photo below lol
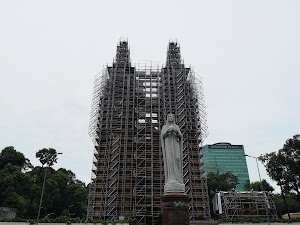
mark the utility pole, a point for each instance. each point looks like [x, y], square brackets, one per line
[43, 189]
[262, 188]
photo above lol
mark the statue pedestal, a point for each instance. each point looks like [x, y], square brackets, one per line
[175, 206]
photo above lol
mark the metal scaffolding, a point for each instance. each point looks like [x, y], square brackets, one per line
[233, 205]
[129, 108]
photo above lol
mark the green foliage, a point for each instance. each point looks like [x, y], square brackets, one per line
[10, 155]
[64, 197]
[14, 187]
[256, 186]
[47, 156]
[284, 166]
[292, 202]
[200, 218]
[247, 220]
[220, 182]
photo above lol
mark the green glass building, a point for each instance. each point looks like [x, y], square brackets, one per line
[224, 157]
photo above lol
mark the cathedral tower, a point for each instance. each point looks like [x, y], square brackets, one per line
[130, 105]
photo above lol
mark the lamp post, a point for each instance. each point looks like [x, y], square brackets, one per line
[42, 194]
[262, 188]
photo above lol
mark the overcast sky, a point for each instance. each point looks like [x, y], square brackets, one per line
[247, 52]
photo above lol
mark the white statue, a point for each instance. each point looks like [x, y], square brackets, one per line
[171, 142]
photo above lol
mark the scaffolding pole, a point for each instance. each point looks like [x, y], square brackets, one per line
[130, 105]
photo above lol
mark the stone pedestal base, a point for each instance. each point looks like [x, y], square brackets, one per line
[175, 208]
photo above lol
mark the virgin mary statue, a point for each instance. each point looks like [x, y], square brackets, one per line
[171, 142]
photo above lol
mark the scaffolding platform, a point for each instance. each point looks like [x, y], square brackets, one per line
[130, 105]
[232, 205]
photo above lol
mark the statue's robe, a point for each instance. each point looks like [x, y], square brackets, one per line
[171, 143]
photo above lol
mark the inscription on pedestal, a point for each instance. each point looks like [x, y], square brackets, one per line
[178, 218]
[175, 209]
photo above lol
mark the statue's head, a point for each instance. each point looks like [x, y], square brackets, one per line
[170, 118]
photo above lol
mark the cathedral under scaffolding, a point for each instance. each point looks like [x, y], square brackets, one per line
[130, 105]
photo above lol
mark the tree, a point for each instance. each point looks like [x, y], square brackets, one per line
[14, 183]
[47, 156]
[284, 166]
[220, 182]
[256, 186]
[11, 155]
[293, 204]
[63, 194]
[22, 189]
[14, 187]
[73, 194]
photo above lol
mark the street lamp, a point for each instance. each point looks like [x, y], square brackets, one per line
[262, 188]
[42, 194]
